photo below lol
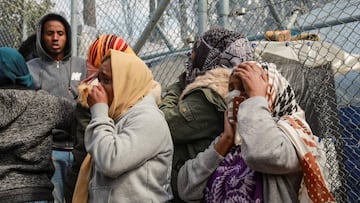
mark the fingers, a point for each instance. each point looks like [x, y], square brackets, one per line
[254, 78]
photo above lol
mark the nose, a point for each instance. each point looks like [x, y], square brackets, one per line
[55, 37]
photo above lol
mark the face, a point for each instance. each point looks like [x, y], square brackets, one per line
[105, 79]
[54, 38]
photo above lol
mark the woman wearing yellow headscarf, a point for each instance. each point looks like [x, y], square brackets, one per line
[127, 137]
[97, 50]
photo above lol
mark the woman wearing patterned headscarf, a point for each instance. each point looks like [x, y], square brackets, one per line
[194, 106]
[276, 142]
[127, 137]
[27, 119]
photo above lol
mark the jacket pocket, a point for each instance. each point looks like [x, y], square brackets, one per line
[185, 111]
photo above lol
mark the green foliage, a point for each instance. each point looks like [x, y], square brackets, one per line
[19, 19]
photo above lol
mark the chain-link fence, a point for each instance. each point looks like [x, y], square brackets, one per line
[319, 53]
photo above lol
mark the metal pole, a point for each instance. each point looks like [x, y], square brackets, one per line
[202, 12]
[224, 13]
[74, 23]
[275, 14]
[151, 25]
[163, 36]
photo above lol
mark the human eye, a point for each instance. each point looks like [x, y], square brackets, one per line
[103, 79]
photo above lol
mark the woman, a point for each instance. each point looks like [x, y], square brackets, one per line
[127, 137]
[97, 50]
[26, 121]
[194, 106]
[269, 165]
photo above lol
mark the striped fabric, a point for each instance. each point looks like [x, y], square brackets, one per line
[101, 46]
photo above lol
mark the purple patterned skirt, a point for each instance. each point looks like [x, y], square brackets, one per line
[233, 181]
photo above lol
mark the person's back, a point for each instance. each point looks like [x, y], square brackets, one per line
[26, 121]
[59, 73]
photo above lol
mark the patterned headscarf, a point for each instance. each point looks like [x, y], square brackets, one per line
[217, 47]
[101, 46]
[290, 117]
[134, 80]
[13, 69]
[97, 50]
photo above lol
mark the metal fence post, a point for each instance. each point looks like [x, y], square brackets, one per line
[74, 23]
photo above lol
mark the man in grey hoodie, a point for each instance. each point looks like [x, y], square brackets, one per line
[59, 73]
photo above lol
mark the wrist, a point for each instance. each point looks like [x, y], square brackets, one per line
[224, 144]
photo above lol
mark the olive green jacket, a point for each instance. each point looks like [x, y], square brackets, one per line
[195, 116]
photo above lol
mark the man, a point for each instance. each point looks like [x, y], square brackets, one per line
[59, 73]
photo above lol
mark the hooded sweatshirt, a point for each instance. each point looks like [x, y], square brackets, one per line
[59, 78]
[26, 120]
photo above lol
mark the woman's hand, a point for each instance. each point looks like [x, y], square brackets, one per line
[97, 95]
[226, 140]
[254, 78]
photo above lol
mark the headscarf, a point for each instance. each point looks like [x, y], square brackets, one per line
[288, 115]
[132, 80]
[217, 47]
[97, 50]
[101, 46]
[13, 68]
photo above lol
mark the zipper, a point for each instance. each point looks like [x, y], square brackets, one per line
[57, 64]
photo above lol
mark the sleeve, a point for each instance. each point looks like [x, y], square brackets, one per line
[193, 175]
[118, 151]
[65, 113]
[265, 147]
[192, 118]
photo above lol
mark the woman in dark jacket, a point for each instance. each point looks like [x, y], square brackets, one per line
[194, 106]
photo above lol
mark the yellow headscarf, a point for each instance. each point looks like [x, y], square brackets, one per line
[132, 80]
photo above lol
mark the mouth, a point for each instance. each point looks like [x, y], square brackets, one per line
[55, 46]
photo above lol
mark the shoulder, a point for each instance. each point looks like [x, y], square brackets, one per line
[34, 63]
[77, 59]
[203, 96]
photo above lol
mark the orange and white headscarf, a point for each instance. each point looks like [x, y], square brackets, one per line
[102, 45]
[134, 81]
[97, 50]
[291, 119]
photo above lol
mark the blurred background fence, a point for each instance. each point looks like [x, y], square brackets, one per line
[319, 56]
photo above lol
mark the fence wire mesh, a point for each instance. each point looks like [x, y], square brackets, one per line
[319, 54]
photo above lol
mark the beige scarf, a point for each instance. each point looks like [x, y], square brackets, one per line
[132, 81]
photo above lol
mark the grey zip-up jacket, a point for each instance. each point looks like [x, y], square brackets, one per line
[59, 78]
[132, 155]
[27, 118]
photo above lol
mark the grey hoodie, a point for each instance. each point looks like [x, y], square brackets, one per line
[26, 120]
[59, 78]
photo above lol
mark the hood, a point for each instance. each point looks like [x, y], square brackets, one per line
[13, 103]
[216, 79]
[39, 45]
